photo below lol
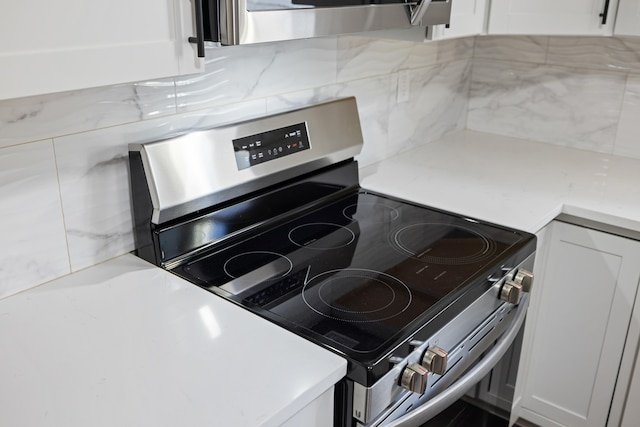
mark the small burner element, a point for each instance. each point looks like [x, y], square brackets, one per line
[371, 212]
[239, 265]
[356, 295]
[321, 235]
[441, 243]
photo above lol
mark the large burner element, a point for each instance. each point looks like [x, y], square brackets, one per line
[441, 243]
[356, 295]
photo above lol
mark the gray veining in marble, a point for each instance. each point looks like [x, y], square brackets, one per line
[455, 49]
[603, 53]
[239, 73]
[361, 57]
[437, 105]
[94, 181]
[512, 48]
[628, 136]
[569, 107]
[34, 246]
[39, 117]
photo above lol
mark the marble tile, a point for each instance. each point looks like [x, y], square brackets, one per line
[455, 49]
[563, 106]
[39, 117]
[602, 53]
[372, 97]
[361, 57]
[628, 136]
[239, 73]
[437, 106]
[94, 181]
[424, 54]
[34, 247]
[301, 99]
[512, 48]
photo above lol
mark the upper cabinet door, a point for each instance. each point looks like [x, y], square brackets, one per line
[53, 46]
[628, 18]
[468, 18]
[552, 17]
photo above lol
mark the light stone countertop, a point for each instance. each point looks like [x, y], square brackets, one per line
[125, 343]
[512, 182]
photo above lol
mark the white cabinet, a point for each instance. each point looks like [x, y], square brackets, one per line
[628, 18]
[631, 414]
[318, 413]
[552, 17]
[580, 322]
[468, 18]
[52, 46]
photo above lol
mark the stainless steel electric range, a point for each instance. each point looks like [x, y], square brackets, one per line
[269, 214]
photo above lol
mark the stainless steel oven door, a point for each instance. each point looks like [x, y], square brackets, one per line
[258, 21]
[419, 413]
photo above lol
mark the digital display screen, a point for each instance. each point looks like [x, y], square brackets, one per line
[262, 147]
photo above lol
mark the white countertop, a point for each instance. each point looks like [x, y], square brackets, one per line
[125, 343]
[512, 182]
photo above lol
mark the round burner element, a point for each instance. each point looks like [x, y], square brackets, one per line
[273, 265]
[356, 295]
[442, 243]
[321, 235]
[371, 212]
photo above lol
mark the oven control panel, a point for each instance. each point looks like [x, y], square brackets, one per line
[265, 146]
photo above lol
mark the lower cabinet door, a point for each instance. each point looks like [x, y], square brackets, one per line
[587, 290]
[631, 414]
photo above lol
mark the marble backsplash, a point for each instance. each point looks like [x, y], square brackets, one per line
[63, 171]
[63, 157]
[581, 92]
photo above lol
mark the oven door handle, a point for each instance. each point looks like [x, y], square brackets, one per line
[440, 402]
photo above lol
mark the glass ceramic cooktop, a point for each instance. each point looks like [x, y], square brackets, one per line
[356, 273]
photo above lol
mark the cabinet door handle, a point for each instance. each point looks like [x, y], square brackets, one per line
[605, 12]
[199, 38]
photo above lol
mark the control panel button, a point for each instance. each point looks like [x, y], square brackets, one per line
[435, 360]
[511, 292]
[525, 279]
[414, 378]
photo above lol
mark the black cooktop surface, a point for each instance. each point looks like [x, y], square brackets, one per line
[358, 274]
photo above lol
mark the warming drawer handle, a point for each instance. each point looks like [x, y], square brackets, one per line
[438, 403]
[199, 38]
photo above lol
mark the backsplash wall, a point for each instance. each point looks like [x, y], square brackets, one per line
[581, 92]
[63, 157]
[63, 173]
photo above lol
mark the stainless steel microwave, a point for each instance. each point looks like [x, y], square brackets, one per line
[236, 22]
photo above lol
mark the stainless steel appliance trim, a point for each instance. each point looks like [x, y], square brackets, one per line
[454, 392]
[370, 402]
[439, 12]
[465, 337]
[199, 170]
[241, 26]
